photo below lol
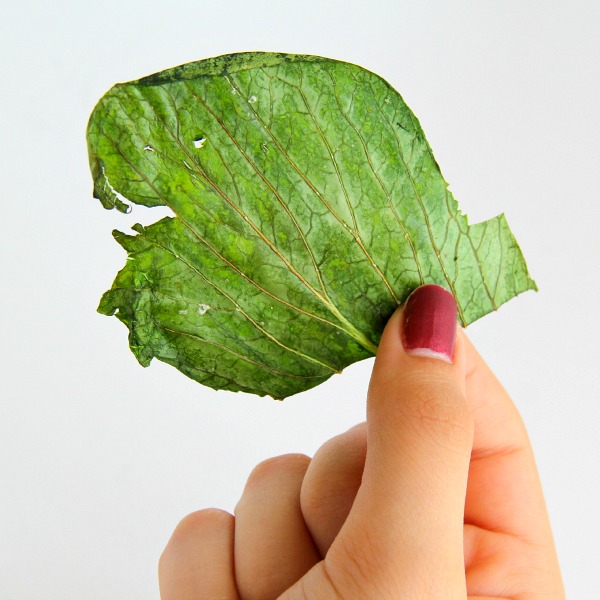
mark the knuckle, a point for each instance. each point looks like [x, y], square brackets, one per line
[277, 466]
[195, 526]
[197, 523]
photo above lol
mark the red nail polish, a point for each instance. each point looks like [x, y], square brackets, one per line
[430, 323]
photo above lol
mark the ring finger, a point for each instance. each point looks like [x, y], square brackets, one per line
[273, 547]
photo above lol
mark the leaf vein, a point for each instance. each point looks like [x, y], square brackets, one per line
[240, 309]
[422, 206]
[475, 252]
[343, 186]
[202, 275]
[243, 357]
[381, 184]
[266, 182]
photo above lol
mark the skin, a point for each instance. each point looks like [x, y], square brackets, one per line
[435, 496]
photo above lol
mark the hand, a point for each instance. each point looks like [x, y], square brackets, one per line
[436, 496]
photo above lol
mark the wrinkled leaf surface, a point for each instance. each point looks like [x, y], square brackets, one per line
[307, 204]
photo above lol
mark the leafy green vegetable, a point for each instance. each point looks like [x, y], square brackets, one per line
[307, 204]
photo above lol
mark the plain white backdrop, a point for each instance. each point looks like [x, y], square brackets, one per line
[100, 458]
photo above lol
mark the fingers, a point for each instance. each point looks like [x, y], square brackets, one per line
[499, 427]
[331, 483]
[408, 513]
[387, 515]
[273, 547]
[197, 563]
[504, 492]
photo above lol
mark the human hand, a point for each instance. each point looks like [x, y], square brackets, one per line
[436, 496]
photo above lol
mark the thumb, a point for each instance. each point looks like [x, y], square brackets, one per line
[406, 525]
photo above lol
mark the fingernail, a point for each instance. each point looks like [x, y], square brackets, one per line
[429, 327]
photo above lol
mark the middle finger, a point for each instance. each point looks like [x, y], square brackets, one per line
[331, 483]
[273, 547]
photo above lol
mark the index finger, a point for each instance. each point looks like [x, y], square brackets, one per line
[504, 491]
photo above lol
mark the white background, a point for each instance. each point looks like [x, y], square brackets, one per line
[100, 458]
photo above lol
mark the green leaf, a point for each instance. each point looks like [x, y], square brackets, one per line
[307, 204]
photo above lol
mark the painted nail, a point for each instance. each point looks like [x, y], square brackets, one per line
[429, 327]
